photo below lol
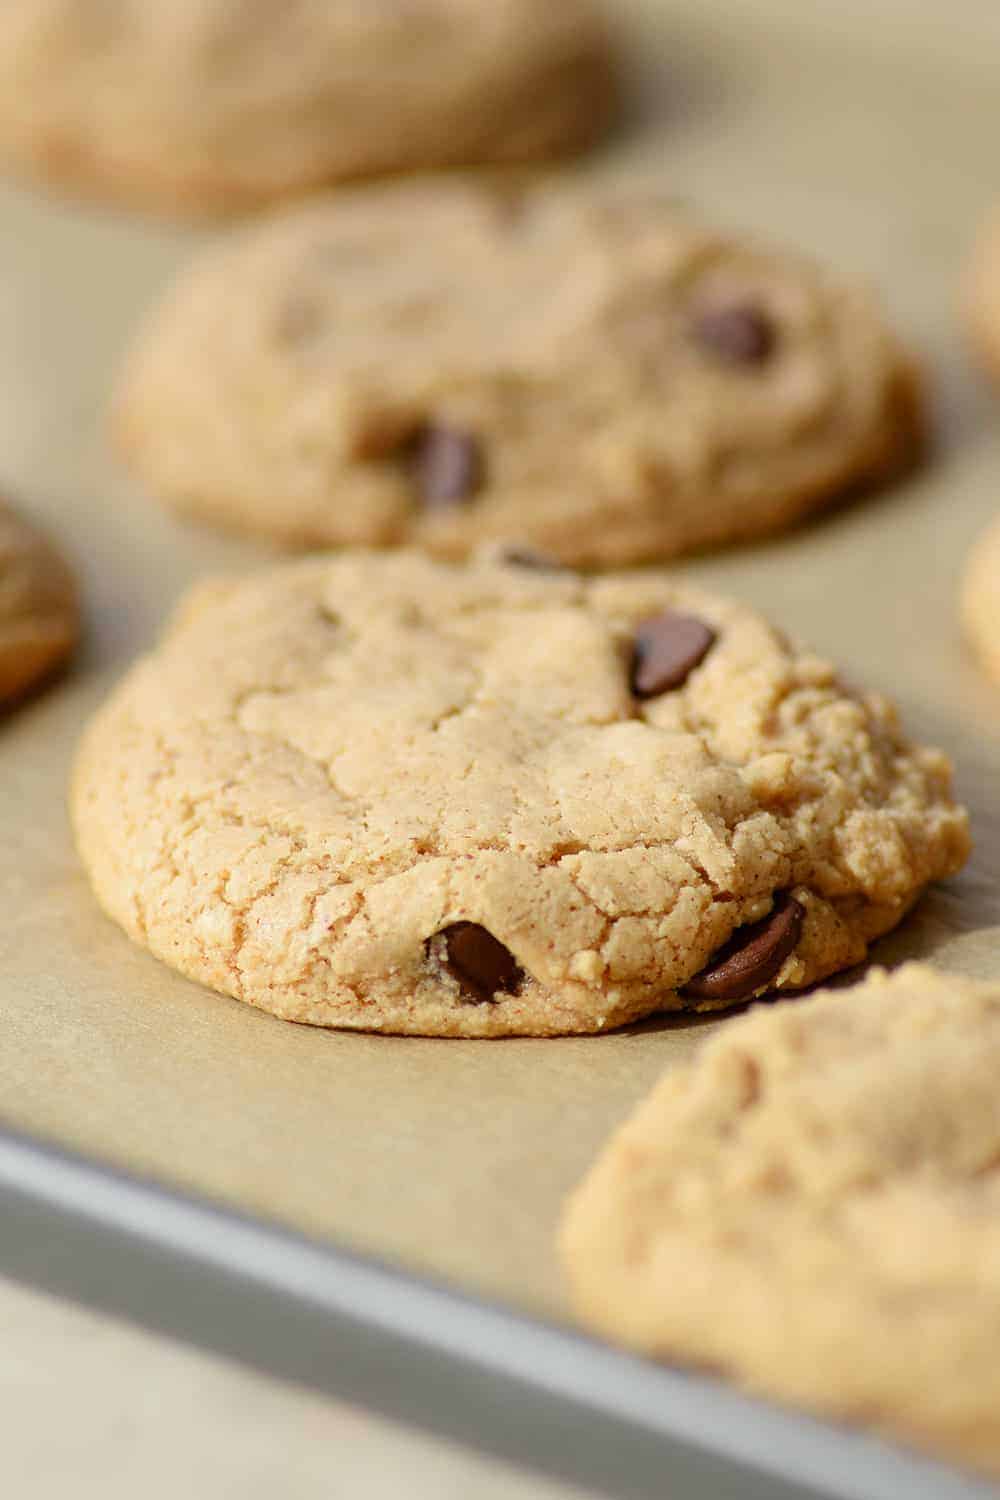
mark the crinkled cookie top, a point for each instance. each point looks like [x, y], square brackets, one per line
[377, 791]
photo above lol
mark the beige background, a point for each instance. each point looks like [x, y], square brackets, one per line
[871, 144]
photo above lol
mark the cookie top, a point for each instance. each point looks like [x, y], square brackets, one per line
[979, 601]
[813, 1207]
[206, 105]
[377, 791]
[39, 614]
[448, 363]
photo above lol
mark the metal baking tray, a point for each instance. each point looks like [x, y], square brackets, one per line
[528, 1391]
[375, 1216]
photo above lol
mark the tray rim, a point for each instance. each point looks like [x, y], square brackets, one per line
[422, 1352]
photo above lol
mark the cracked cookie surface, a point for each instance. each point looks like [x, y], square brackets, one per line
[582, 368]
[813, 1207]
[377, 791]
[209, 105]
[39, 614]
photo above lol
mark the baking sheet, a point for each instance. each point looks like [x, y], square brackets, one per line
[864, 135]
[524, 1390]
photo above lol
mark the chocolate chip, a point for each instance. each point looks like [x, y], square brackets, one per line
[447, 465]
[479, 963]
[527, 557]
[667, 649]
[741, 334]
[752, 956]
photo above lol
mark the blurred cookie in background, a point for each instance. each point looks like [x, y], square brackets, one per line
[981, 296]
[979, 600]
[582, 368]
[39, 613]
[215, 105]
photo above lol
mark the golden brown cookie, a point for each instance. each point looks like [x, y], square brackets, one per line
[381, 792]
[447, 364]
[207, 105]
[813, 1208]
[39, 614]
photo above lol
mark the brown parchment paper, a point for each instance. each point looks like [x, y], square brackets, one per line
[864, 132]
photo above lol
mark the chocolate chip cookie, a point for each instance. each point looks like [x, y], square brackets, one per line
[813, 1208]
[208, 105]
[580, 368]
[378, 791]
[39, 614]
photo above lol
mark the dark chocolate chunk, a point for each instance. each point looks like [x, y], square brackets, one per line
[741, 334]
[479, 963]
[447, 464]
[667, 649]
[752, 956]
[527, 557]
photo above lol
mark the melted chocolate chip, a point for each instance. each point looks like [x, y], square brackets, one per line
[752, 956]
[527, 557]
[667, 649]
[740, 334]
[447, 464]
[481, 965]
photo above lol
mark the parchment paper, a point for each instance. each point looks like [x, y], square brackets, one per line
[863, 132]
